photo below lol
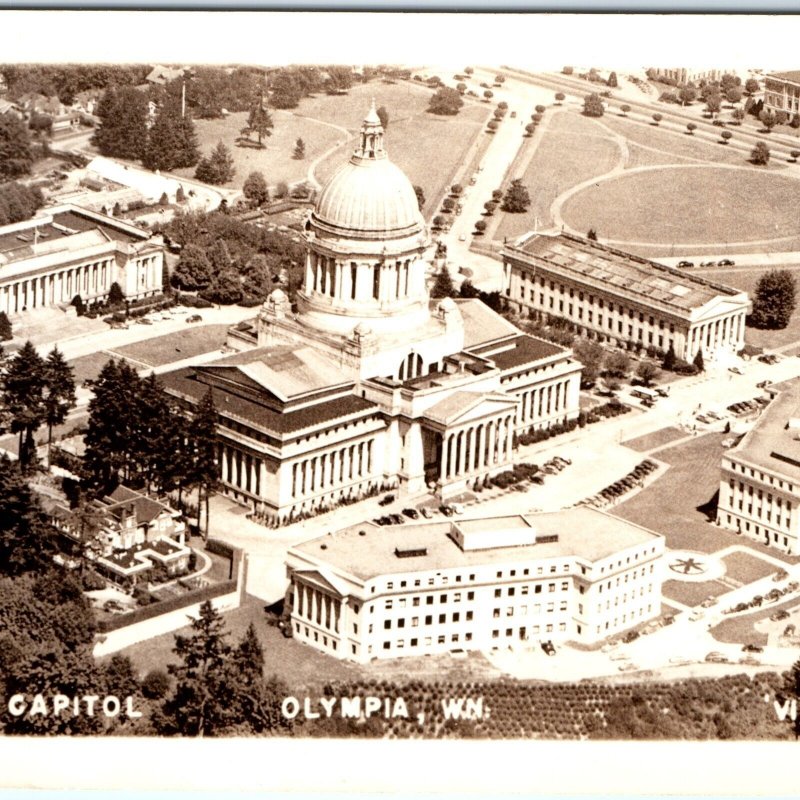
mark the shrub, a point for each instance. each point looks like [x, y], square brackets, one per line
[155, 684]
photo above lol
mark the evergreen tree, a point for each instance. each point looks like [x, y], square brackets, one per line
[203, 434]
[27, 541]
[760, 154]
[164, 141]
[123, 123]
[225, 288]
[516, 199]
[189, 152]
[699, 362]
[592, 235]
[259, 120]
[383, 116]
[217, 168]
[443, 286]
[219, 257]
[86, 521]
[152, 410]
[775, 300]
[194, 268]
[669, 359]
[255, 188]
[285, 89]
[23, 397]
[6, 332]
[420, 193]
[299, 150]
[593, 105]
[15, 148]
[59, 392]
[612, 80]
[204, 701]
[115, 295]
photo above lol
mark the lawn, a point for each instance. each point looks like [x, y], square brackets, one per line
[745, 568]
[88, 367]
[706, 204]
[675, 505]
[655, 439]
[571, 150]
[429, 149]
[174, 346]
[692, 593]
[275, 160]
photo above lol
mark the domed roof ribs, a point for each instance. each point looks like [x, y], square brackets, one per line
[371, 142]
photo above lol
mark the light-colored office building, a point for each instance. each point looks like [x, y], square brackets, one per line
[370, 592]
[759, 491]
[782, 91]
[618, 297]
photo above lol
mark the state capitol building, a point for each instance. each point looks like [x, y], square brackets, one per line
[367, 383]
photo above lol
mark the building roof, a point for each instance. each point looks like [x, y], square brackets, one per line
[582, 532]
[608, 269]
[148, 184]
[123, 499]
[185, 382]
[518, 351]
[772, 443]
[481, 324]
[791, 75]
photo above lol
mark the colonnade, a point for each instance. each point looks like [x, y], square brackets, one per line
[480, 446]
[384, 281]
[332, 469]
[241, 470]
[725, 332]
[542, 402]
[317, 607]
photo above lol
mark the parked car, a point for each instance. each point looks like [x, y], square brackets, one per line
[726, 262]
[194, 318]
[709, 602]
[680, 661]
[648, 402]
[752, 648]
[702, 418]
[146, 321]
[627, 667]
[709, 264]
[119, 325]
[446, 510]
[549, 648]
[397, 519]
[661, 391]
[411, 513]
[768, 358]
[716, 658]
[750, 661]
[779, 615]
[386, 500]
[735, 370]
[426, 512]
[686, 264]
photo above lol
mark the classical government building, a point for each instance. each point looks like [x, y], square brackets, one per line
[619, 297]
[367, 383]
[384, 592]
[782, 92]
[69, 251]
[759, 492]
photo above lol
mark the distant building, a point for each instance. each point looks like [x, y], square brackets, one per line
[160, 75]
[150, 185]
[137, 534]
[618, 297]
[384, 592]
[682, 75]
[759, 491]
[67, 251]
[8, 107]
[64, 119]
[782, 91]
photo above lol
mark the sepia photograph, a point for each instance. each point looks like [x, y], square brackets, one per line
[446, 396]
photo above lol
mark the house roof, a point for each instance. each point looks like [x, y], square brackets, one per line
[126, 500]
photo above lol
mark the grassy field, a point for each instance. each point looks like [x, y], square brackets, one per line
[704, 205]
[746, 568]
[655, 439]
[275, 160]
[88, 367]
[692, 593]
[571, 150]
[174, 346]
[428, 148]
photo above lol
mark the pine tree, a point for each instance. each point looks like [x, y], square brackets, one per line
[59, 393]
[219, 256]
[299, 150]
[699, 362]
[259, 121]
[775, 300]
[516, 199]
[6, 332]
[217, 168]
[203, 433]
[15, 148]
[123, 123]
[23, 397]
[669, 359]
[115, 295]
[163, 141]
[86, 522]
[189, 152]
[151, 411]
[204, 701]
[443, 286]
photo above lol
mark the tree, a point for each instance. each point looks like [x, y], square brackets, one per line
[687, 94]
[225, 288]
[492, 126]
[285, 89]
[775, 300]
[23, 398]
[259, 121]
[729, 81]
[795, 121]
[618, 364]
[734, 94]
[726, 136]
[657, 118]
[194, 268]
[530, 128]
[647, 372]
[691, 127]
[27, 541]
[115, 295]
[751, 86]
[713, 104]
[445, 101]
[593, 105]
[760, 154]
[488, 94]
[448, 204]
[219, 256]
[480, 226]
[299, 152]
[86, 523]
[490, 206]
[255, 188]
[670, 359]
[592, 355]
[217, 168]
[699, 362]
[204, 699]
[768, 119]
[516, 199]
[420, 193]
[795, 154]
[592, 235]
[612, 80]
[560, 97]
[15, 148]
[203, 433]
[6, 332]
[383, 116]
[59, 393]
[443, 285]
[172, 141]
[122, 132]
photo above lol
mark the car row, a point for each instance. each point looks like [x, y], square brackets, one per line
[725, 262]
[744, 407]
[397, 518]
[768, 358]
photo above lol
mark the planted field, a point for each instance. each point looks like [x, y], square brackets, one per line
[572, 149]
[174, 346]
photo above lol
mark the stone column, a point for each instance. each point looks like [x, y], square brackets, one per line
[482, 446]
[510, 439]
[327, 470]
[443, 457]
[253, 475]
[462, 456]
[492, 438]
[346, 464]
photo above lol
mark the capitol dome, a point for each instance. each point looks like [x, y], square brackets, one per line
[369, 197]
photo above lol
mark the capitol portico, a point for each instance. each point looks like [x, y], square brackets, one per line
[364, 383]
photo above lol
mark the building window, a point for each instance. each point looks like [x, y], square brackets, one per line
[469, 616]
[387, 624]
